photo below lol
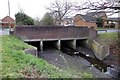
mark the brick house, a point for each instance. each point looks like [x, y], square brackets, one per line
[115, 21]
[101, 14]
[0, 23]
[67, 22]
[83, 20]
[7, 22]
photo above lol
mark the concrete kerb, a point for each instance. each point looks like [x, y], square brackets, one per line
[100, 51]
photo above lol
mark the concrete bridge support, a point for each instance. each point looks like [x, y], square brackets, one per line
[58, 44]
[41, 45]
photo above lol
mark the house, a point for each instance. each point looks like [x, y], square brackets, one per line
[114, 21]
[0, 23]
[100, 14]
[67, 22]
[7, 22]
[84, 20]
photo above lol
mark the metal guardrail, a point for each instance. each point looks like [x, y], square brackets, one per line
[103, 30]
[108, 31]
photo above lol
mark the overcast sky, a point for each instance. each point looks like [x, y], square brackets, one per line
[33, 8]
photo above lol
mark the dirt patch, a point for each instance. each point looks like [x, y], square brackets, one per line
[113, 58]
[31, 72]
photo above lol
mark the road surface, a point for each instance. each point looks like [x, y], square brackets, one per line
[4, 31]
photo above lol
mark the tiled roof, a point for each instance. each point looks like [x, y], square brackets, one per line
[87, 18]
[98, 14]
[114, 19]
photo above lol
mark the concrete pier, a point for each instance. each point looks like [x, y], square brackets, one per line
[41, 45]
[58, 44]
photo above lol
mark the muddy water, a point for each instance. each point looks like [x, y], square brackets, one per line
[71, 63]
[99, 64]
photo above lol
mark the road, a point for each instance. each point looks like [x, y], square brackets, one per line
[4, 31]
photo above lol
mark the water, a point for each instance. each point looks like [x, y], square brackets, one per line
[99, 64]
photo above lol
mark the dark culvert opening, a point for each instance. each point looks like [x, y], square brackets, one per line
[67, 47]
[35, 43]
[49, 45]
[82, 46]
[81, 43]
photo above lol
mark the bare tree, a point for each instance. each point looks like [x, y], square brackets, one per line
[60, 9]
[37, 21]
[109, 6]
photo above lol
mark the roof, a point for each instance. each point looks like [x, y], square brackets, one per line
[114, 19]
[67, 18]
[87, 18]
[98, 14]
[7, 19]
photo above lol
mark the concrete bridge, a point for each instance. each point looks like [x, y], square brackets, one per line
[57, 35]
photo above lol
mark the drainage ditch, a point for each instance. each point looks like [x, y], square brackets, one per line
[100, 65]
[65, 48]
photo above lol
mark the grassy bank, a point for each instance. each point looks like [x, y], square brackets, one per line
[113, 40]
[16, 64]
[107, 38]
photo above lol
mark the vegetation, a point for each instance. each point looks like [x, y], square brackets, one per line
[37, 21]
[60, 9]
[108, 38]
[16, 64]
[99, 22]
[113, 40]
[47, 19]
[23, 19]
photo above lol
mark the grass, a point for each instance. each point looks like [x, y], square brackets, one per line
[107, 38]
[17, 64]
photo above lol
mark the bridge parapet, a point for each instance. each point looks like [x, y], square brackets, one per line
[51, 33]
